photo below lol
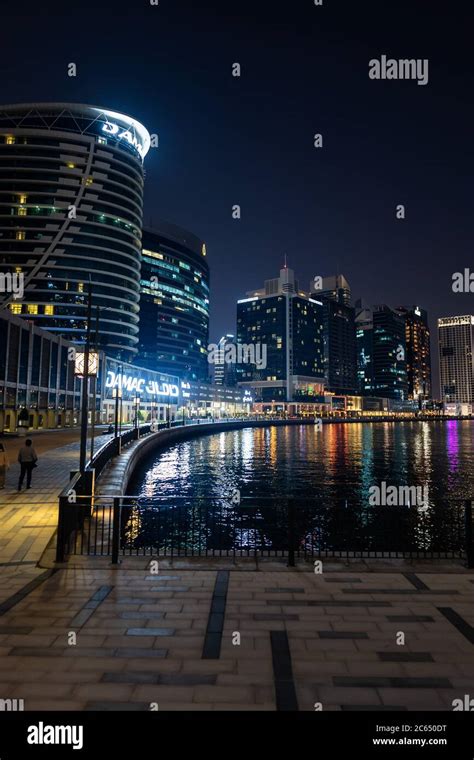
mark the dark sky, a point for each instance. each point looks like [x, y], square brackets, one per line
[249, 141]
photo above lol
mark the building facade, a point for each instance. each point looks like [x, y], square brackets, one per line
[36, 375]
[381, 353]
[340, 350]
[456, 359]
[418, 353]
[332, 288]
[39, 388]
[174, 303]
[71, 204]
[225, 370]
[287, 325]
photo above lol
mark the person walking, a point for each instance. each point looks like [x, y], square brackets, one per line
[4, 464]
[27, 458]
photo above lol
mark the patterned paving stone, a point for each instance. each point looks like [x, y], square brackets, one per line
[302, 640]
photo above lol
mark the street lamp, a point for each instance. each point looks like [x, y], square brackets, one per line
[137, 410]
[154, 415]
[117, 395]
[85, 382]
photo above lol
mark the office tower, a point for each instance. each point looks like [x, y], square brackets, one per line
[364, 349]
[340, 351]
[333, 288]
[174, 303]
[417, 337]
[381, 352]
[224, 370]
[288, 324]
[71, 198]
[456, 344]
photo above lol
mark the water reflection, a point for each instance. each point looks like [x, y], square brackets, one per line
[334, 468]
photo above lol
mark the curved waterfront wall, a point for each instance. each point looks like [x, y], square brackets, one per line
[116, 479]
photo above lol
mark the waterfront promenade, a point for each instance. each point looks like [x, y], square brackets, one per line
[28, 519]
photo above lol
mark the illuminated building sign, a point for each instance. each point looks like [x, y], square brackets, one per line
[135, 384]
[186, 390]
[124, 134]
[417, 311]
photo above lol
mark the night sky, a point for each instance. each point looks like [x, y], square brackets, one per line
[249, 140]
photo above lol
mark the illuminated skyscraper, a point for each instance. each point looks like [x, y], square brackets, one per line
[289, 324]
[340, 353]
[71, 198]
[456, 359]
[174, 303]
[224, 371]
[381, 353]
[418, 352]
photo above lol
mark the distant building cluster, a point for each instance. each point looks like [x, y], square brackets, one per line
[319, 344]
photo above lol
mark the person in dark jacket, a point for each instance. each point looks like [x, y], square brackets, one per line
[27, 458]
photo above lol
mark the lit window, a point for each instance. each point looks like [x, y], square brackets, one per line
[102, 141]
[18, 270]
[22, 198]
[80, 287]
[88, 181]
[32, 308]
[70, 165]
[49, 309]
[20, 235]
[15, 308]
[21, 211]
[10, 140]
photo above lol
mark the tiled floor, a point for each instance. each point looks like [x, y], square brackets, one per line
[246, 640]
[28, 519]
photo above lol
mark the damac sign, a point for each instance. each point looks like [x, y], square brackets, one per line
[125, 134]
[140, 385]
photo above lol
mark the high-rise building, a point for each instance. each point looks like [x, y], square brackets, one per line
[364, 349]
[71, 197]
[340, 351]
[418, 353]
[174, 303]
[381, 353]
[334, 288]
[224, 370]
[287, 325]
[456, 359]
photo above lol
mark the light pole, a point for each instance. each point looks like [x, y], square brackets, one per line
[94, 383]
[154, 415]
[137, 410]
[85, 384]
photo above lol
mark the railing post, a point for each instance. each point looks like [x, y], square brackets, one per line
[291, 532]
[468, 534]
[60, 543]
[116, 530]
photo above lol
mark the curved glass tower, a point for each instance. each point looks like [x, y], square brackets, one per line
[71, 204]
[174, 305]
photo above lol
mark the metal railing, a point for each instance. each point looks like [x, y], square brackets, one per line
[285, 527]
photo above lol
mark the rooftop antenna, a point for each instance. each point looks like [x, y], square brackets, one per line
[285, 264]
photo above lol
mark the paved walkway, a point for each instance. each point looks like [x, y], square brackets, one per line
[28, 519]
[246, 640]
